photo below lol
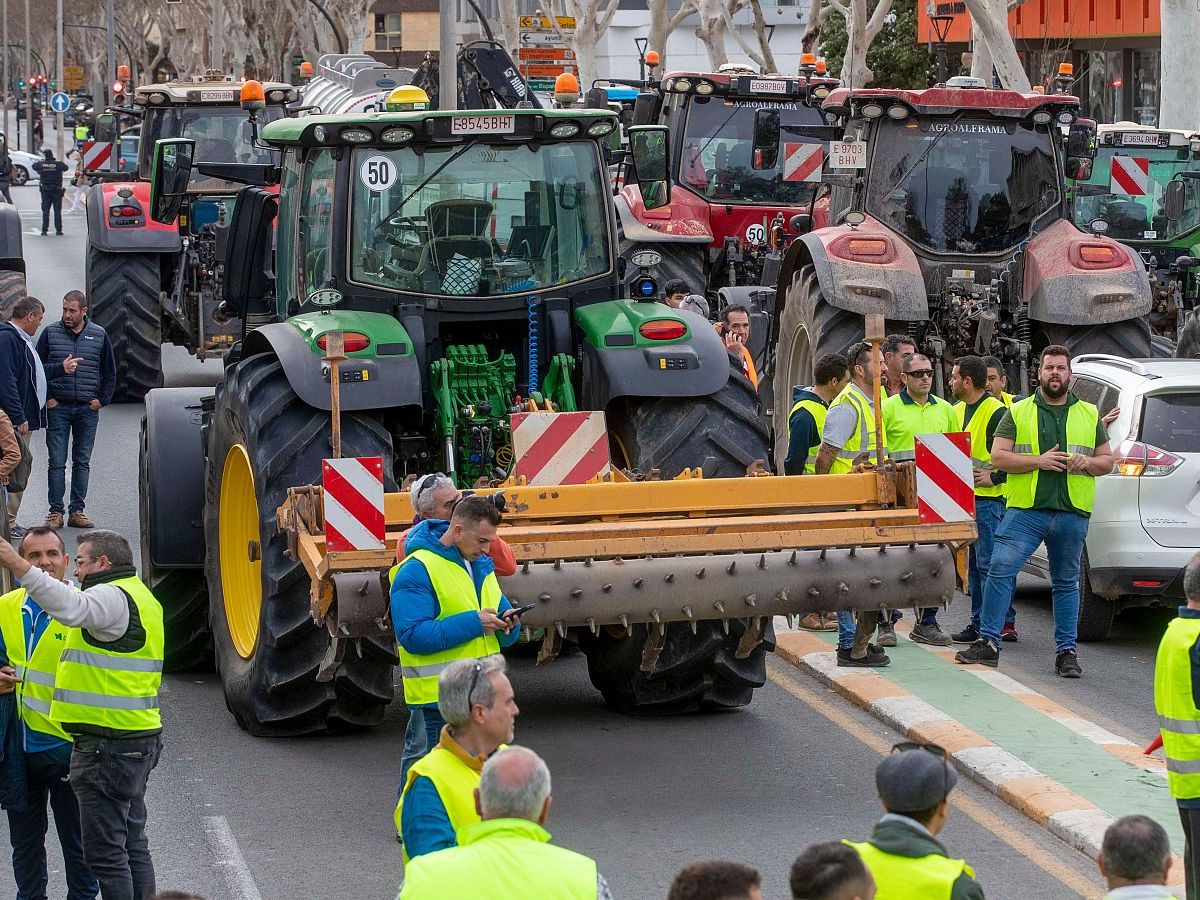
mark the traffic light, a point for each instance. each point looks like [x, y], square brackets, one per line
[53, 84]
[21, 84]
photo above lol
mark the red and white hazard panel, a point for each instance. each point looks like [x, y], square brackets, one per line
[560, 448]
[96, 154]
[802, 162]
[1130, 175]
[945, 486]
[353, 503]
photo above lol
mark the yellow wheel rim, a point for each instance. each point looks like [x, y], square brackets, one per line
[241, 558]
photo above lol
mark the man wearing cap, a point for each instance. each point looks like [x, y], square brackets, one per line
[50, 181]
[903, 853]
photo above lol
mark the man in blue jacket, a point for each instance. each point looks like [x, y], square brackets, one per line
[446, 605]
[73, 407]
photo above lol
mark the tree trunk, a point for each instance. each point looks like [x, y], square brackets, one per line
[1180, 77]
[508, 24]
[981, 55]
[818, 12]
[991, 17]
[711, 31]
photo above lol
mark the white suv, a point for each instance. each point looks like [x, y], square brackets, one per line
[1146, 520]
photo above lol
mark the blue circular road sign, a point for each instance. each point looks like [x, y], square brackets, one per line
[59, 102]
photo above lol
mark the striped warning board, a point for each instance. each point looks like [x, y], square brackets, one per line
[802, 162]
[1129, 175]
[945, 486]
[96, 154]
[353, 503]
[560, 448]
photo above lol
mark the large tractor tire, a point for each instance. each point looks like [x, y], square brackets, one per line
[722, 434]
[679, 261]
[809, 327]
[1129, 339]
[263, 440]
[125, 299]
[12, 289]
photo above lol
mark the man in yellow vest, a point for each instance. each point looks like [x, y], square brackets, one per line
[476, 700]
[507, 855]
[911, 411]
[446, 605]
[980, 413]
[1177, 702]
[997, 381]
[897, 349]
[32, 642]
[849, 435]
[905, 857]
[106, 697]
[1053, 447]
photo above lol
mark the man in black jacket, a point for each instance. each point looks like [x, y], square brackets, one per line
[73, 407]
[50, 171]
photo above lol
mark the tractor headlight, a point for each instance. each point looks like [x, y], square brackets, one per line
[397, 135]
[355, 135]
[564, 130]
[600, 129]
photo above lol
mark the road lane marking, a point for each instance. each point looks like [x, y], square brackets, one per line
[229, 858]
[974, 810]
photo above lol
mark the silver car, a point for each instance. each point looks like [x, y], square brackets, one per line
[1145, 523]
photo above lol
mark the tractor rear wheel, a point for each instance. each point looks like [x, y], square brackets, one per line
[1129, 339]
[124, 295]
[722, 434]
[12, 289]
[1189, 337]
[264, 440]
[809, 327]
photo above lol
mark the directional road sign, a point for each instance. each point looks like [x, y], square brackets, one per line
[60, 102]
[545, 54]
[540, 39]
[566, 23]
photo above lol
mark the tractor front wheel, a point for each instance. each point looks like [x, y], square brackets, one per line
[12, 289]
[124, 295]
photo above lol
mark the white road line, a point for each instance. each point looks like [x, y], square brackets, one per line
[229, 859]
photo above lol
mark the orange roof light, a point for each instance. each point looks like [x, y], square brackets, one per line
[252, 96]
[1066, 69]
[566, 88]
[306, 69]
[653, 58]
[822, 66]
[123, 73]
[808, 59]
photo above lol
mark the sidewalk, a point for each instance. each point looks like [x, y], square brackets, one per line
[1067, 774]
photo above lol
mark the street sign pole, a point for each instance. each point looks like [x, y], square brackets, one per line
[111, 72]
[447, 59]
[29, 85]
[7, 80]
[59, 83]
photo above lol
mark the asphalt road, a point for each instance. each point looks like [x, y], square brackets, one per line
[235, 816]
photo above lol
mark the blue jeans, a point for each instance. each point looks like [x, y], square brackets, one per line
[989, 511]
[845, 630]
[1018, 536]
[76, 422]
[421, 735]
[46, 775]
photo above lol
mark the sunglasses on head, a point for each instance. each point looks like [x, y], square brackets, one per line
[474, 681]
[426, 484]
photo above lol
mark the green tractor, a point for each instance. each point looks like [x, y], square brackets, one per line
[1137, 169]
[468, 261]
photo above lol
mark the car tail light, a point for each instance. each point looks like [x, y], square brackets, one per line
[1146, 583]
[352, 341]
[1139, 460]
[662, 330]
[129, 210]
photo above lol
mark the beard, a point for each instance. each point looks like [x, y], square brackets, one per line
[1053, 389]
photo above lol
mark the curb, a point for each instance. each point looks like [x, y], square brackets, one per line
[1061, 811]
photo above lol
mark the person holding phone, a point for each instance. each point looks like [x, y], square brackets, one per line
[446, 605]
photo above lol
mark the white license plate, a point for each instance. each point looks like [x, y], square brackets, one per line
[1140, 140]
[218, 95]
[768, 86]
[483, 124]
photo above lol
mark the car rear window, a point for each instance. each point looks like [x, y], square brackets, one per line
[1172, 422]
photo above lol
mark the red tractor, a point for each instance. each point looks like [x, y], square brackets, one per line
[949, 215]
[149, 283]
[732, 199]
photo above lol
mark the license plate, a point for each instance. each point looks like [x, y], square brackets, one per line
[1137, 139]
[848, 155]
[765, 86]
[218, 96]
[483, 124]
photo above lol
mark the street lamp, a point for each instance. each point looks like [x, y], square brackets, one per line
[941, 18]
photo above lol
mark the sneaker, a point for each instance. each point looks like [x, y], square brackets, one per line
[929, 634]
[54, 520]
[887, 634]
[813, 622]
[1066, 664]
[1009, 633]
[980, 652]
[968, 635]
[875, 657]
[17, 532]
[44, 233]
[79, 519]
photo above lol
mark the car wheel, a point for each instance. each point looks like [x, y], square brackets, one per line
[1096, 613]
[20, 175]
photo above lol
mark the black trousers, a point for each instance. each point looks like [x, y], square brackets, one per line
[109, 777]
[52, 200]
[4, 184]
[1191, 850]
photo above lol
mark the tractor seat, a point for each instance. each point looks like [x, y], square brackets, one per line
[458, 218]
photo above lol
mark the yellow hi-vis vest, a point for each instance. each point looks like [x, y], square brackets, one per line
[107, 689]
[1178, 717]
[500, 859]
[981, 456]
[902, 422]
[1082, 418]
[929, 877]
[455, 591]
[37, 671]
[455, 782]
[863, 437]
[1007, 399]
[818, 411]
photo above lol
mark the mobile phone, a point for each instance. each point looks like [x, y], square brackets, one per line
[517, 611]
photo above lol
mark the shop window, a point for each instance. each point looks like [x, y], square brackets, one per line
[1145, 86]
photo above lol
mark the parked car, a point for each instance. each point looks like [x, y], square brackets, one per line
[23, 171]
[1146, 518]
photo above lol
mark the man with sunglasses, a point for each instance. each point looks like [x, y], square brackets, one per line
[905, 857]
[434, 496]
[911, 411]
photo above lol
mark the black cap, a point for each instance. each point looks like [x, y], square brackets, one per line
[914, 780]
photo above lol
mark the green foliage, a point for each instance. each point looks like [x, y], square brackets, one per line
[895, 57]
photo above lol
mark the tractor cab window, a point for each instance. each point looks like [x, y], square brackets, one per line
[718, 156]
[478, 220]
[222, 134]
[1126, 191]
[963, 185]
[315, 225]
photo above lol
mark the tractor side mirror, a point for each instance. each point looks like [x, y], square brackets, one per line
[169, 176]
[1174, 200]
[1081, 139]
[766, 139]
[105, 131]
[649, 147]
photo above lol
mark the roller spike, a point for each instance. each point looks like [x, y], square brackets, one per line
[618, 561]
[824, 550]
[693, 624]
[731, 568]
[782, 596]
[561, 629]
[700, 574]
[725, 625]
[687, 611]
[545, 598]
[587, 563]
[669, 578]
[814, 593]
[592, 626]
[624, 621]
[577, 593]
[751, 599]
[853, 552]
[874, 582]
[719, 606]
[843, 588]
[792, 559]
[791, 620]
[937, 569]
[916, 612]
[882, 549]
[762, 561]
[945, 603]
[525, 568]
[638, 582]
[906, 576]
[557, 564]
[607, 588]
[656, 616]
